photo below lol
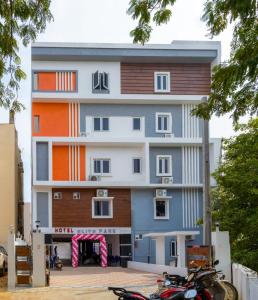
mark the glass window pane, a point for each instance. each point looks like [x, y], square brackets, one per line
[166, 165]
[159, 82]
[97, 166]
[97, 208]
[105, 123]
[159, 123]
[165, 123]
[136, 165]
[105, 208]
[106, 166]
[160, 165]
[160, 208]
[164, 82]
[136, 123]
[36, 123]
[97, 124]
[173, 248]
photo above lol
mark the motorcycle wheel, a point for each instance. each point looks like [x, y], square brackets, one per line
[231, 290]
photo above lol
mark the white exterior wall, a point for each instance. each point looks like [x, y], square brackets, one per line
[121, 162]
[85, 71]
[118, 127]
[215, 156]
[64, 250]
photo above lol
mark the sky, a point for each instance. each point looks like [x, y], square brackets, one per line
[106, 21]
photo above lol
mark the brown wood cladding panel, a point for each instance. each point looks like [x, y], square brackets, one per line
[78, 213]
[185, 79]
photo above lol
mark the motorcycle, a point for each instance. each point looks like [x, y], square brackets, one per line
[207, 278]
[176, 294]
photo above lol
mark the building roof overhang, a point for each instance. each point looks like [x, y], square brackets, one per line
[171, 233]
[177, 51]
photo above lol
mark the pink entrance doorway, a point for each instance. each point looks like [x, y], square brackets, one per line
[93, 237]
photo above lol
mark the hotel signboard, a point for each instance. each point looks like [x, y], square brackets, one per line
[86, 230]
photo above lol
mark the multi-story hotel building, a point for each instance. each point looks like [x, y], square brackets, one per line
[115, 148]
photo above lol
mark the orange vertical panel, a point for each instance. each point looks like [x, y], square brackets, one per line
[82, 163]
[60, 156]
[54, 119]
[47, 81]
[74, 81]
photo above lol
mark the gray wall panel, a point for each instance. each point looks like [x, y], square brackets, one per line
[42, 208]
[42, 161]
[147, 111]
[143, 222]
[176, 153]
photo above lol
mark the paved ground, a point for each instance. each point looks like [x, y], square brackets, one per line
[96, 277]
[87, 283]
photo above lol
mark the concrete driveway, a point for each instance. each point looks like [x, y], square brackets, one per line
[86, 283]
[97, 277]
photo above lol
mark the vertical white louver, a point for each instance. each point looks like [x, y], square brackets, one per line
[190, 208]
[64, 81]
[190, 165]
[190, 124]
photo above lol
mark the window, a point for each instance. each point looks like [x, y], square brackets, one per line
[36, 123]
[136, 123]
[101, 124]
[137, 168]
[163, 122]
[162, 82]
[100, 82]
[161, 208]
[102, 208]
[173, 249]
[164, 165]
[101, 166]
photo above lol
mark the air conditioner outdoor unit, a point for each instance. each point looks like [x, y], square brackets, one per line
[168, 135]
[138, 237]
[94, 178]
[57, 195]
[190, 237]
[76, 196]
[167, 180]
[161, 193]
[102, 193]
[83, 133]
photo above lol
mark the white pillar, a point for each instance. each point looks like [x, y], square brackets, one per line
[160, 250]
[39, 260]
[220, 242]
[181, 262]
[11, 260]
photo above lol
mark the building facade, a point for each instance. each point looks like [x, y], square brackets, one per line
[115, 148]
[11, 183]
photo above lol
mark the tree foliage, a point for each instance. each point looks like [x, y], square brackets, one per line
[20, 21]
[234, 82]
[235, 199]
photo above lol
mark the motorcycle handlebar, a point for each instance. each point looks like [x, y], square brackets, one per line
[118, 291]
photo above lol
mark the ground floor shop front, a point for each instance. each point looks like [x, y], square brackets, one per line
[118, 245]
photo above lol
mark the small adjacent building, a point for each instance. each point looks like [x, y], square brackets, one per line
[115, 149]
[11, 183]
